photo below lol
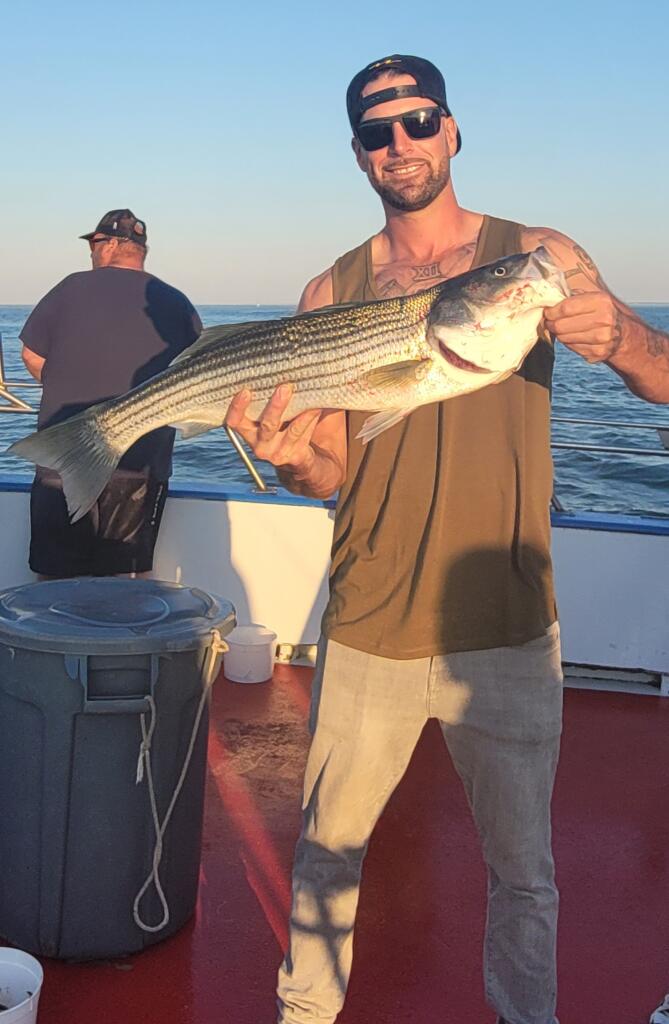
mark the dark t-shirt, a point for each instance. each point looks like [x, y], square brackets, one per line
[102, 332]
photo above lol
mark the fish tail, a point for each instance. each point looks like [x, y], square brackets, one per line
[77, 450]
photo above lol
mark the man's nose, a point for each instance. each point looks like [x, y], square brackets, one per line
[401, 142]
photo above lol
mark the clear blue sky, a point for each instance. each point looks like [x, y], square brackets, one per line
[223, 125]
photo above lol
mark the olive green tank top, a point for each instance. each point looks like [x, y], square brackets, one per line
[442, 528]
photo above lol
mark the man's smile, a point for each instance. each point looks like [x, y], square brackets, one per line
[405, 169]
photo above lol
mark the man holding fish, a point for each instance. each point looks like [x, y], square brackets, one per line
[441, 593]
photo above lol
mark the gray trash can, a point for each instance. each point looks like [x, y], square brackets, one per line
[103, 735]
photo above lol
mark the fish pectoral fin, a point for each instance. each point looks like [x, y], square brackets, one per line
[380, 421]
[205, 421]
[396, 375]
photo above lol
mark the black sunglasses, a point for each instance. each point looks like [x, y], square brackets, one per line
[92, 242]
[418, 124]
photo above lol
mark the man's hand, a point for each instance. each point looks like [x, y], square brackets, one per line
[308, 451]
[590, 323]
[597, 325]
[288, 445]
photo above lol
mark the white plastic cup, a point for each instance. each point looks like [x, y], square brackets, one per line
[250, 658]
[21, 978]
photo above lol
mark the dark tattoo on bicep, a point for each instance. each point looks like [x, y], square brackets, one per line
[587, 267]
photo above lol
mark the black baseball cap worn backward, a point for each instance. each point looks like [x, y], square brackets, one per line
[429, 84]
[120, 224]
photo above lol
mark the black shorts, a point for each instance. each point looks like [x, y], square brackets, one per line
[118, 535]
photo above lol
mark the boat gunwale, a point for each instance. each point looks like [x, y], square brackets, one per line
[611, 522]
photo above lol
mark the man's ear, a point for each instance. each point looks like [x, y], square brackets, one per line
[360, 154]
[451, 130]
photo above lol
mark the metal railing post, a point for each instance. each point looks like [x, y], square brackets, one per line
[14, 403]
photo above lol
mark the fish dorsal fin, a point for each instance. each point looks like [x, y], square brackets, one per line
[332, 308]
[212, 335]
[396, 375]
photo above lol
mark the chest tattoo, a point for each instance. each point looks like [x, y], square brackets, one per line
[389, 288]
[430, 272]
[395, 279]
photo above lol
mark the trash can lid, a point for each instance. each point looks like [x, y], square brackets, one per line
[105, 615]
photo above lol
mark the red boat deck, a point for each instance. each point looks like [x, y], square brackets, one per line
[420, 923]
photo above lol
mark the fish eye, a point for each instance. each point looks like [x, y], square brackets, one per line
[499, 271]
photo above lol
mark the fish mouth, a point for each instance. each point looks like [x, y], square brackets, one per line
[551, 273]
[455, 360]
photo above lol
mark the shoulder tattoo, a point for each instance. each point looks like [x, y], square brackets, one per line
[585, 266]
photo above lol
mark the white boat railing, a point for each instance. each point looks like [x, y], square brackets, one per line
[662, 432]
[12, 402]
[269, 554]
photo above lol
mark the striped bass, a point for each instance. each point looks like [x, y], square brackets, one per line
[386, 357]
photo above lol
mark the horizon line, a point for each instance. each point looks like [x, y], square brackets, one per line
[259, 305]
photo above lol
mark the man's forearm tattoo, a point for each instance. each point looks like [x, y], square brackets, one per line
[617, 333]
[657, 343]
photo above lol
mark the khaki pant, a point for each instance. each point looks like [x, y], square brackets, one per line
[500, 711]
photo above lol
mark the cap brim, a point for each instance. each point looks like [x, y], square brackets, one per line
[114, 234]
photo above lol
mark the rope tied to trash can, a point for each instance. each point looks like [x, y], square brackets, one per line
[217, 646]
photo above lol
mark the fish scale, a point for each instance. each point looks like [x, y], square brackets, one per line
[386, 357]
[261, 355]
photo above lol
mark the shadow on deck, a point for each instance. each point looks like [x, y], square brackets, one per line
[421, 917]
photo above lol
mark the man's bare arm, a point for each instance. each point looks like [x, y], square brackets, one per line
[309, 452]
[33, 363]
[318, 293]
[598, 326]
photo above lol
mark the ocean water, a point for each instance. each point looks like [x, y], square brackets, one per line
[583, 480]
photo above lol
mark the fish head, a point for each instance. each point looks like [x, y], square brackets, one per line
[486, 321]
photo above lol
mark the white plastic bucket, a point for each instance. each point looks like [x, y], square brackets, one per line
[21, 979]
[250, 658]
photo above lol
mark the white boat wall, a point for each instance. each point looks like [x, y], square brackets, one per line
[269, 554]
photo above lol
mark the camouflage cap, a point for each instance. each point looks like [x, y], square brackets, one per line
[120, 224]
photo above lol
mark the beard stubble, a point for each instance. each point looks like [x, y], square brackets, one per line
[415, 197]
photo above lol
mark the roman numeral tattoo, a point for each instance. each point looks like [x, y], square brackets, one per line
[430, 272]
